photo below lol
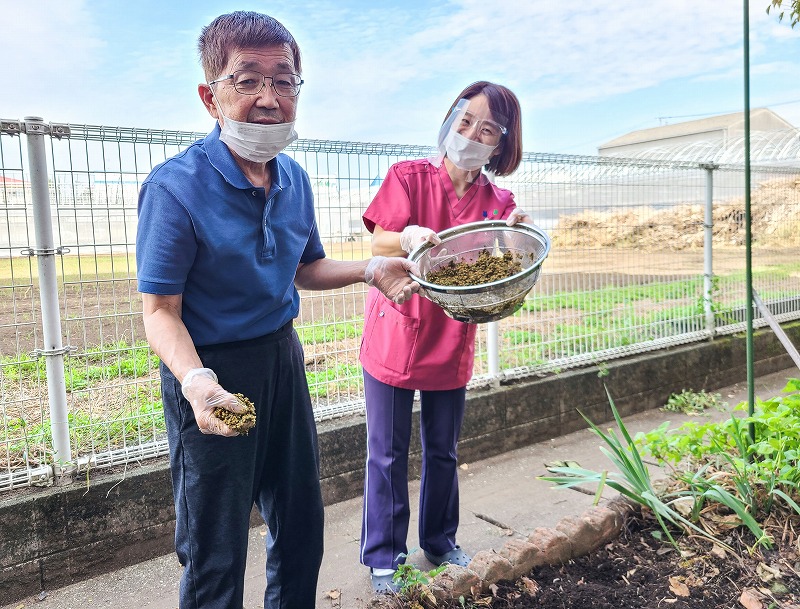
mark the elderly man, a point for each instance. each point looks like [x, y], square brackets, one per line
[227, 235]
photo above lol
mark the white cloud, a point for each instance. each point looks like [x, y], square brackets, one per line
[550, 54]
[387, 71]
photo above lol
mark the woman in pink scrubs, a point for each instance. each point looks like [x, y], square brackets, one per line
[415, 345]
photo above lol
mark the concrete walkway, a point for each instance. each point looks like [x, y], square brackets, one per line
[500, 498]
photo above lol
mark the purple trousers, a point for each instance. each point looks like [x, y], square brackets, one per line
[384, 526]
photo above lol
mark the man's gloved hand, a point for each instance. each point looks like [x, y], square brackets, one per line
[412, 236]
[518, 215]
[390, 276]
[204, 393]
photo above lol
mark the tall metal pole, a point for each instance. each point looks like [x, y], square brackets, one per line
[493, 335]
[45, 252]
[747, 222]
[708, 249]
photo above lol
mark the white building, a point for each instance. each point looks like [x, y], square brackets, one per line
[716, 139]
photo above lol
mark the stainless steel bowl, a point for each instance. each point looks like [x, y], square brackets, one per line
[487, 301]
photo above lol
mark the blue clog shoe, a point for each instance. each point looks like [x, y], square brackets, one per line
[456, 556]
[383, 584]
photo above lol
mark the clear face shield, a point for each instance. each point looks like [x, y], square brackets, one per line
[470, 136]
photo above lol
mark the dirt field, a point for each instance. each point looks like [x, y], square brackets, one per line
[101, 312]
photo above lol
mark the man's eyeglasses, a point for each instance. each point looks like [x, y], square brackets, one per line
[250, 82]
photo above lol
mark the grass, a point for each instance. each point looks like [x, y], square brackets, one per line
[18, 270]
[140, 421]
[104, 412]
[100, 364]
[342, 378]
[330, 331]
[609, 297]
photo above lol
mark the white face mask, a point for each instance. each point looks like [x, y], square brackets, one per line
[465, 153]
[254, 141]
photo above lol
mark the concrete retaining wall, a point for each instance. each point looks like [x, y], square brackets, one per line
[52, 537]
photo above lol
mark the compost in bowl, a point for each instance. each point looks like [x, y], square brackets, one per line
[525, 244]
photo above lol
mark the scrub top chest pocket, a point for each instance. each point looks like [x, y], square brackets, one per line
[390, 338]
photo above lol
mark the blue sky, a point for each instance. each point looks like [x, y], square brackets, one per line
[386, 71]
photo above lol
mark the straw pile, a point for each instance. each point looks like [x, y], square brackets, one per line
[774, 210]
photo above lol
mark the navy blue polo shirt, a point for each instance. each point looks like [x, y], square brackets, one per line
[229, 248]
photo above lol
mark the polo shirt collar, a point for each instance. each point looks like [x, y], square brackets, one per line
[220, 157]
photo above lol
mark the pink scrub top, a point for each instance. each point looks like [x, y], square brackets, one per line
[415, 345]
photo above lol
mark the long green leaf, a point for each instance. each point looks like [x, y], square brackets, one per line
[600, 487]
[619, 457]
[725, 498]
[787, 499]
[634, 452]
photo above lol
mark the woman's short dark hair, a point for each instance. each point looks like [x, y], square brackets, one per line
[503, 102]
[241, 30]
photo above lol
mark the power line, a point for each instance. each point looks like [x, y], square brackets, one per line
[663, 118]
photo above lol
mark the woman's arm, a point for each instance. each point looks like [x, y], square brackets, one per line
[386, 243]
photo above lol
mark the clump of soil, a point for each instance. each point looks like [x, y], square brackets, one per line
[240, 422]
[486, 269]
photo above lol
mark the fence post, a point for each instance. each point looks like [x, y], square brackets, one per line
[45, 252]
[708, 249]
[493, 334]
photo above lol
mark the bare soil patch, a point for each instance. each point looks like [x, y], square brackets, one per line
[96, 313]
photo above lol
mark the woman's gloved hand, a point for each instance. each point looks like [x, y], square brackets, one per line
[518, 215]
[204, 393]
[390, 276]
[412, 236]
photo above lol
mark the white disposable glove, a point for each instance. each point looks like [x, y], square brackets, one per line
[204, 393]
[518, 215]
[390, 276]
[412, 236]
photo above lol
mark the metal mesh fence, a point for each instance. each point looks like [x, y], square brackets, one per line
[628, 272]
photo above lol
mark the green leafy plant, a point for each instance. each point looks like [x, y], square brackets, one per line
[107, 363]
[693, 402]
[722, 312]
[758, 473]
[633, 480]
[141, 418]
[414, 582]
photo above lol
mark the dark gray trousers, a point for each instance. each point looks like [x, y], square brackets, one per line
[217, 480]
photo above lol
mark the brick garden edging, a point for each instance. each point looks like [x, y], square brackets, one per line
[572, 537]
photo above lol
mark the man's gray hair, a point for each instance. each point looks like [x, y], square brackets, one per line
[241, 30]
